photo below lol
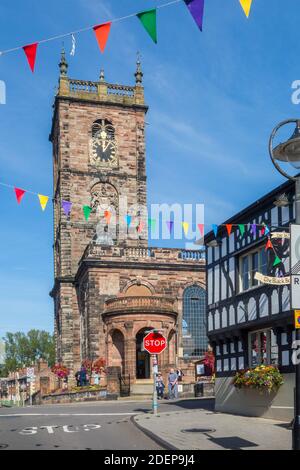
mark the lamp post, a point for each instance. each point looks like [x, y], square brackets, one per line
[289, 152]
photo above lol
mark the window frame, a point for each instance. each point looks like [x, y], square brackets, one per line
[268, 347]
[252, 284]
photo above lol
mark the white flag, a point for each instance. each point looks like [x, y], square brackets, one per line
[73, 45]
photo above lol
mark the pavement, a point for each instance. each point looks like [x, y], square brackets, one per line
[127, 425]
[202, 429]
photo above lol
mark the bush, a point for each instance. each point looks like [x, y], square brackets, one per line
[261, 378]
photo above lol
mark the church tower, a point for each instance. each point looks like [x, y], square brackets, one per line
[98, 138]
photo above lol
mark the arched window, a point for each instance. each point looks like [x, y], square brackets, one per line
[194, 322]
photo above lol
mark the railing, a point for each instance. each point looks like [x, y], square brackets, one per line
[83, 86]
[139, 253]
[120, 90]
[151, 303]
[191, 255]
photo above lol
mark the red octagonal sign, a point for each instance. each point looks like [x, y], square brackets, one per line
[155, 343]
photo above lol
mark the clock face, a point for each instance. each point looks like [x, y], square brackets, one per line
[103, 146]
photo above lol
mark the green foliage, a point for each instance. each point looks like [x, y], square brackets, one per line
[22, 350]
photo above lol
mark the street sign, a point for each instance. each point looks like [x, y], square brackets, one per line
[297, 319]
[295, 266]
[155, 343]
[30, 372]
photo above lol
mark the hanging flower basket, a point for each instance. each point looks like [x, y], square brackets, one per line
[60, 371]
[263, 378]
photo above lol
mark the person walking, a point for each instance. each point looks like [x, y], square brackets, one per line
[160, 386]
[82, 376]
[172, 384]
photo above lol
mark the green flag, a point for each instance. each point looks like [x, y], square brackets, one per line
[152, 224]
[242, 229]
[277, 261]
[86, 211]
[148, 20]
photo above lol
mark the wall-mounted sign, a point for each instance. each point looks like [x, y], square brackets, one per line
[272, 280]
[295, 266]
[280, 235]
[297, 319]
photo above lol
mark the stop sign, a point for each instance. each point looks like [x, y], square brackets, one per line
[155, 343]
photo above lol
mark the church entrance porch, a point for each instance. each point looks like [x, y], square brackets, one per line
[132, 317]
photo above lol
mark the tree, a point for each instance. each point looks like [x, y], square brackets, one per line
[22, 350]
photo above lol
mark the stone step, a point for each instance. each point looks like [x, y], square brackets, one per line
[141, 389]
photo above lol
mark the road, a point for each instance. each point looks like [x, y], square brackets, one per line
[81, 426]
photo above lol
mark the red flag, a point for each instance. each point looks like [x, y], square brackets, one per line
[30, 51]
[19, 194]
[201, 229]
[229, 227]
[102, 33]
[269, 245]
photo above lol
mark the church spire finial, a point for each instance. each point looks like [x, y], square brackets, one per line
[102, 77]
[138, 73]
[63, 65]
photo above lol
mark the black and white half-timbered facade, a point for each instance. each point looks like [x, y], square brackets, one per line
[249, 322]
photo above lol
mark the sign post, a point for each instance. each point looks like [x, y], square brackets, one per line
[295, 305]
[30, 377]
[155, 343]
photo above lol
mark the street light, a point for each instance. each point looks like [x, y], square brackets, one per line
[289, 152]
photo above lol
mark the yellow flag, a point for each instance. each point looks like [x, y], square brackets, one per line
[43, 201]
[246, 6]
[185, 226]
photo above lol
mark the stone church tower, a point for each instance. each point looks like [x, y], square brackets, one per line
[110, 287]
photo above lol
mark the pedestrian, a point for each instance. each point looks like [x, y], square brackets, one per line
[160, 386]
[77, 378]
[172, 384]
[96, 378]
[180, 375]
[82, 376]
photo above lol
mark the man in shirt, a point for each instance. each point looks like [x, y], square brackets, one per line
[173, 384]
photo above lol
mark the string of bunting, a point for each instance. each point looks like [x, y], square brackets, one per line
[147, 18]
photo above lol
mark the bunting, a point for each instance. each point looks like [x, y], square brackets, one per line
[241, 229]
[277, 261]
[246, 6]
[201, 229]
[140, 226]
[66, 206]
[72, 53]
[269, 245]
[253, 229]
[43, 201]
[170, 226]
[185, 226]
[19, 194]
[196, 8]
[30, 52]
[215, 229]
[228, 228]
[148, 20]
[128, 220]
[86, 212]
[107, 215]
[152, 224]
[102, 32]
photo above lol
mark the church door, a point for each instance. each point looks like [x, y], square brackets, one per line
[142, 358]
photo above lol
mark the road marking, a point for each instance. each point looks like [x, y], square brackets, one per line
[67, 414]
[66, 428]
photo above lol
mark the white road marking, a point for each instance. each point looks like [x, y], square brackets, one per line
[67, 414]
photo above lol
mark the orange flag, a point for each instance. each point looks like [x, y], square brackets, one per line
[30, 51]
[269, 245]
[229, 227]
[102, 33]
[107, 215]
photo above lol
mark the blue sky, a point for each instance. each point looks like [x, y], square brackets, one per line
[214, 98]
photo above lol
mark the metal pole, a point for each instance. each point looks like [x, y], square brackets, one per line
[296, 425]
[154, 400]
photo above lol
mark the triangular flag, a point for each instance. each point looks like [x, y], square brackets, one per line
[19, 194]
[246, 6]
[201, 229]
[263, 229]
[43, 201]
[229, 227]
[170, 225]
[152, 224]
[148, 20]
[277, 261]
[128, 220]
[253, 229]
[185, 226]
[242, 229]
[269, 245]
[267, 231]
[140, 226]
[196, 8]
[86, 211]
[107, 215]
[66, 206]
[215, 229]
[102, 33]
[30, 51]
